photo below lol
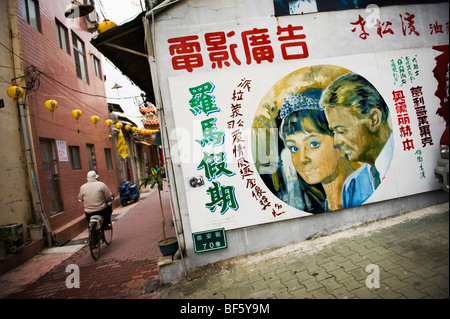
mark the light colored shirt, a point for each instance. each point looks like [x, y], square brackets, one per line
[94, 195]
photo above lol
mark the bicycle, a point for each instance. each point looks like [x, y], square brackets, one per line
[98, 233]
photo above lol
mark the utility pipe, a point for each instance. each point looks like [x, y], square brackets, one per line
[149, 37]
[32, 171]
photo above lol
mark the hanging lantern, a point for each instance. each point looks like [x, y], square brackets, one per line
[105, 25]
[76, 113]
[133, 129]
[51, 105]
[15, 91]
[127, 127]
[119, 125]
[95, 119]
[108, 123]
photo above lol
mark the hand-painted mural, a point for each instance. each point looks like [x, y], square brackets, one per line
[305, 126]
[335, 142]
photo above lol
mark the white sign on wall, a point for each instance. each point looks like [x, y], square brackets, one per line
[62, 151]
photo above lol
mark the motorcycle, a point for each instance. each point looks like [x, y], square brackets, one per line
[129, 192]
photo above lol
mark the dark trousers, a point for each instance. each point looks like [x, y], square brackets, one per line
[105, 213]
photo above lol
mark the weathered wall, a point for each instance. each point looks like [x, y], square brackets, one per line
[185, 35]
[59, 81]
[15, 205]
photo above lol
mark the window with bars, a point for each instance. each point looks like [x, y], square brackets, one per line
[30, 13]
[63, 36]
[79, 54]
[75, 162]
[97, 67]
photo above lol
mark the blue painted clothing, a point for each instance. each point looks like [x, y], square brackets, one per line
[361, 184]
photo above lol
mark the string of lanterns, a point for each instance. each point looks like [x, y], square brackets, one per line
[16, 92]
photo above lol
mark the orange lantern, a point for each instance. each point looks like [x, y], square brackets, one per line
[127, 127]
[95, 119]
[119, 125]
[15, 91]
[76, 113]
[133, 129]
[51, 105]
[105, 25]
[108, 123]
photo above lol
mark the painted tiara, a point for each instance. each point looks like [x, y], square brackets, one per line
[298, 101]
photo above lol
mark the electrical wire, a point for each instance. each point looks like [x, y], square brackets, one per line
[57, 81]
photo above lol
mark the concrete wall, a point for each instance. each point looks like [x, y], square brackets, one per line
[255, 239]
[15, 204]
[198, 14]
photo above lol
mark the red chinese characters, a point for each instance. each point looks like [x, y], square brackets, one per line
[257, 46]
[220, 52]
[384, 28]
[222, 48]
[422, 118]
[403, 120]
[186, 53]
[291, 40]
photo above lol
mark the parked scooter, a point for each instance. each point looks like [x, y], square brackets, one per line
[129, 192]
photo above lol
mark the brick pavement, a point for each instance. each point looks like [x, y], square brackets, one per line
[410, 252]
[124, 268]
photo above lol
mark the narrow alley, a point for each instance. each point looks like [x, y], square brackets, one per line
[126, 269]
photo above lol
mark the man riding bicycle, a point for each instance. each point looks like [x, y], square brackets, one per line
[95, 196]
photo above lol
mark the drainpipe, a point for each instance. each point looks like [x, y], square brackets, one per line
[149, 37]
[32, 172]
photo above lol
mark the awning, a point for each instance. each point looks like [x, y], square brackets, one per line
[124, 46]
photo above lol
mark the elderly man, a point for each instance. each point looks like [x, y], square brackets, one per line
[358, 117]
[95, 196]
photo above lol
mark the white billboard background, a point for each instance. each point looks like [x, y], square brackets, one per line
[403, 177]
[330, 41]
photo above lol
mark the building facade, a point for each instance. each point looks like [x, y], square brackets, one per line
[250, 92]
[58, 63]
[15, 202]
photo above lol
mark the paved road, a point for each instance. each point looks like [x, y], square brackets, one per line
[125, 269]
[406, 255]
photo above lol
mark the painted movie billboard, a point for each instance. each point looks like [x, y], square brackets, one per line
[270, 127]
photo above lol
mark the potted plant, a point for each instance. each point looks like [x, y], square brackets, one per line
[36, 231]
[154, 176]
[6, 239]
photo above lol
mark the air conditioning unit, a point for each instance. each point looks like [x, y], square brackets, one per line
[92, 20]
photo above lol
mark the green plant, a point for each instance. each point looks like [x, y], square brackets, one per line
[6, 236]
[154, 176]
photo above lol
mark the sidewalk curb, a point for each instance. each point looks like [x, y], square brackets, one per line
[311, 246]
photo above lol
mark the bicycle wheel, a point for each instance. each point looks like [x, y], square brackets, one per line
[94, 242]
[107, 234]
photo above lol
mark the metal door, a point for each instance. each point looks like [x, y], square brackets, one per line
[50, 176]
[91, 157]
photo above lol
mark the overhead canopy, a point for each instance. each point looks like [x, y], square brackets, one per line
[124, 46]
